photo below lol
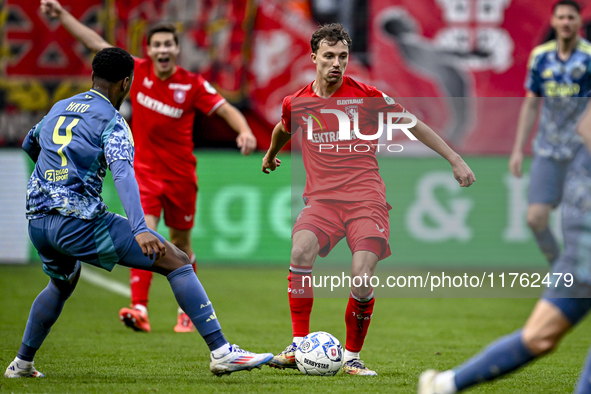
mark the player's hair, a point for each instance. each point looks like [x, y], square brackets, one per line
[163, 27]
[332, 33]
[112, 64]
[571, 3]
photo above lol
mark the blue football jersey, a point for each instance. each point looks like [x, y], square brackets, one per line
[75, 142]
[565, 86]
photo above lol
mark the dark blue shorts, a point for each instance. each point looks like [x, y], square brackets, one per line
[546, 180]
[573, 296]
[62, 242]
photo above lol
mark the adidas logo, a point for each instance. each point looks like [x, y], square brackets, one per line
[211, 317]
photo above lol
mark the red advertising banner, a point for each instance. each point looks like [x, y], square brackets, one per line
[434, 56]
[459, 48]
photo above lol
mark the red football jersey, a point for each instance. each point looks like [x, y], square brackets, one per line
[162, 122]
[344, 169]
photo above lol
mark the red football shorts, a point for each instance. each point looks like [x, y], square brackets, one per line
[176, 198]
[359, 222]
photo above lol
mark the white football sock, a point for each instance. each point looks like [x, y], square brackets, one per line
[350, 355]
[22, 364]
[222, 350]
[141, 307]
[298, 340]
[444, 382]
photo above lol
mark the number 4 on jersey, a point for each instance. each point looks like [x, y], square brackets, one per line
[63, 140]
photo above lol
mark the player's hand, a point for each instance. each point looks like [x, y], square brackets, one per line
[51, 8]
[462, 173]
[516, 163]
[151, 245]
[247, 142]
[270, 164]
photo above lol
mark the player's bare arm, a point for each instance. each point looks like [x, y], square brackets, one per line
[279, 138]
[246, 141]
[527, 117]
[462, 173]
[84, 34]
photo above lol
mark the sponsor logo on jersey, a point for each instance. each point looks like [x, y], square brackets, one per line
[158, 106]
[350, 101]
[56, 175]
[147, 83]
[180, 86]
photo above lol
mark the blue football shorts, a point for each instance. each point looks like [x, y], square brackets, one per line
[62, 242]
[574, 300]
[546, 180]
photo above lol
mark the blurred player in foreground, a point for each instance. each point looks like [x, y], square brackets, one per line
[561, 306]
[557, 70]
[344, 194]
[68, 222]
[164, 98]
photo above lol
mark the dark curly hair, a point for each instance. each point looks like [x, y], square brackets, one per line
[112, 64]
[332, 33]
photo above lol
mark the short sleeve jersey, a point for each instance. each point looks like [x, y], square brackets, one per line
[349, 170]
[565, 86]
[163, 116]
[79, 138]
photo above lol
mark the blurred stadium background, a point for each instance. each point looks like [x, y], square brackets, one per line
[457, 64]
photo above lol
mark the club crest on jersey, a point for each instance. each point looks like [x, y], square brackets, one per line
[179, 96]
[578, 71]
[180, 91]
[351, 110]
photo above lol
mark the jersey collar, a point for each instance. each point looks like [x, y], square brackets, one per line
[337, 93]
[100, 94]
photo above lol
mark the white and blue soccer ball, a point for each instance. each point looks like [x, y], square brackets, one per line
[319, 354]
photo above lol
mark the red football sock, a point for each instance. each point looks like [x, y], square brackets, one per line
[357, 319]
[140, 286]
[301, 298]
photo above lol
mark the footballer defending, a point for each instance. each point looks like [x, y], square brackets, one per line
[344, 194]
[72, 147]
[164, 98]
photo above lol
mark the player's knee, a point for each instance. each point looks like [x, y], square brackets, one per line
[537, 221]
[181, 242]
[173, 260]
[539, 344]
[301, 255]
[180, 259]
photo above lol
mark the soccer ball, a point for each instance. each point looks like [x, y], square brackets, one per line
[319, 354]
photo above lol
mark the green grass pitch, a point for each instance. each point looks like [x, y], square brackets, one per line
[89, 351]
